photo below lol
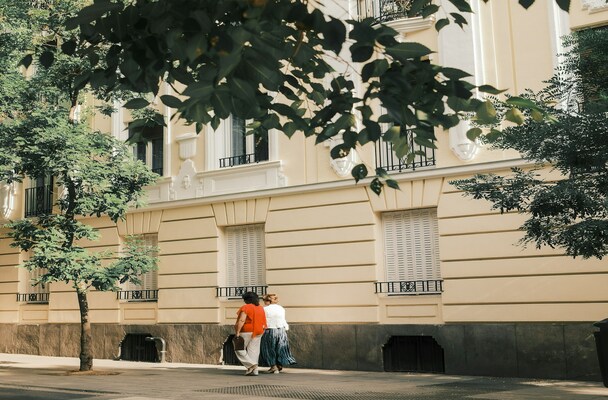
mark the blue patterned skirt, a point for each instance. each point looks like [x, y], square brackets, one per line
[275, 348]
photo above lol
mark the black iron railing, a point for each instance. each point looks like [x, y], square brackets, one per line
[33, 297]
[138, 295]
[38, 201]
[238, 160]
[386, 158]
[238, 291]
[384, 10]
[410, 287]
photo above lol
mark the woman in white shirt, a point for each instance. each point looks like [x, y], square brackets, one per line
[275, 345]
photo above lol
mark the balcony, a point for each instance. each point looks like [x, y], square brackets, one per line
[386, 158]
[33, 298]
[384, 10]
[410, 287]
[38, 201]
[238, 291]
[138, 295]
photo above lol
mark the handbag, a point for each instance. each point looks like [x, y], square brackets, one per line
[238, 343]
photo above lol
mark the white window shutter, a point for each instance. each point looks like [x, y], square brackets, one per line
[411, 242]
[149, 280]
[245, 261]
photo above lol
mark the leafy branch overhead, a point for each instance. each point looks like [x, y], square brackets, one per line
[571, 211]
[269, 61]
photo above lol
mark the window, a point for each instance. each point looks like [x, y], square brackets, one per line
[35, 294]
[147, 289]
[39, 197]
[149, 149]
[387, 159]
[242, 149]
[245, 261]
[384, 10]
[411, 252]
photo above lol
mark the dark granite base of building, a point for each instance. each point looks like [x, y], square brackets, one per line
[551, 351]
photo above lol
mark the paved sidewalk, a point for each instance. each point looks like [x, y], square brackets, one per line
[51, 378]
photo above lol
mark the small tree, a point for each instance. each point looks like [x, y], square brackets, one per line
[571, 212]
[95, 175]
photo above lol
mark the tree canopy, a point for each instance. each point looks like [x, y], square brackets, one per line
[94, 174]
[268, 61]
[571, 212]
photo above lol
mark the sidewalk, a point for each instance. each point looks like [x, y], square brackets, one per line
[35, 377]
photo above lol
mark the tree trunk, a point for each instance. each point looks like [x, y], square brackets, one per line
[86, 352]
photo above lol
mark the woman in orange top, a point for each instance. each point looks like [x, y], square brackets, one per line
[250, 324]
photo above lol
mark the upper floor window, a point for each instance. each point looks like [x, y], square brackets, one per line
[411, 252]
[384, 10]
[386, 158]
[245, 260]
[147, 289]
[35, 294]
[150, 148]
[229, 145]
[39, 197]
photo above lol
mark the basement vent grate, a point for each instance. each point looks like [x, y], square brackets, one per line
[304, 393]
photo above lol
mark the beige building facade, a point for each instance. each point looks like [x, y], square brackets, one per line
[419, 279]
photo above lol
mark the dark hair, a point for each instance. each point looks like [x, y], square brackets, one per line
[251, 298]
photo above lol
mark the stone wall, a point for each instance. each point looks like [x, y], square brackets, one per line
[558, 351]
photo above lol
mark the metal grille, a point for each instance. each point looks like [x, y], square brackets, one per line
[138, 295]
[33, 297]
[388, 160]
[306, 393]
[238, 291]
[384, 10]
[410, 287]
[38, 201]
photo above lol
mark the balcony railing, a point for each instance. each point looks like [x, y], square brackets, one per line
[41, 298]
[410, 287]
[386, 158]
[38, 201]
[238, 291]
[138, 295]
[238, 160]
[384, 10]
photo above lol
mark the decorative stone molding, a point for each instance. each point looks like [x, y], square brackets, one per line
[7, 200]
[186, 184]
[464, 148]
[243, 178]
[594, 6]
[187, 145]
[409, 25]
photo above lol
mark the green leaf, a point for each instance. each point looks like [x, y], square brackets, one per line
[473, 134]
[376, 186]
[403, 51]
[486, 113]
[526, 3]
[46, 59]
[493, 135]
[537, 115]
[441, 23]
[242, 89]
[68, 47]
[521, 102]
[171, 101]
[392, 184]
[564, 4]
[490, 89]
[136, 104]
[334, 35]
[359, 172]
[462, 5]
[27, 60]
[361, 53]
[429, 10]
[516, 116]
